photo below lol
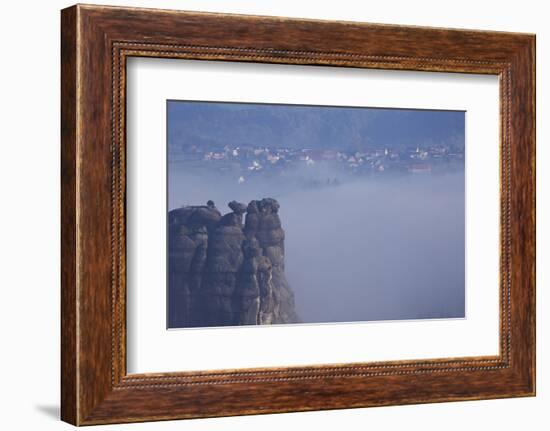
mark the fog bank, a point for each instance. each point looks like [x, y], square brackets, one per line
[369, 248]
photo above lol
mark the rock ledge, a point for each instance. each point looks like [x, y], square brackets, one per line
[224, 273]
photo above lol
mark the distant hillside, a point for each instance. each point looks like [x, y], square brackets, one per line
[295, 126]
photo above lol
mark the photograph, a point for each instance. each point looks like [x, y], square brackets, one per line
[305, 214]
[275, 209]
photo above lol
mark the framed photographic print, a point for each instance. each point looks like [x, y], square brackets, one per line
[264, 215]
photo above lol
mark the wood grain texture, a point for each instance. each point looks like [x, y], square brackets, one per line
[69, 397]
[96, 41]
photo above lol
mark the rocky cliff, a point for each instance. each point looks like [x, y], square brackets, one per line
[222, 272]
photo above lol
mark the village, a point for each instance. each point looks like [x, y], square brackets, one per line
[250, 160]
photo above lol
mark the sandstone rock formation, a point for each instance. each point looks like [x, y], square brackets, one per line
[224, 273]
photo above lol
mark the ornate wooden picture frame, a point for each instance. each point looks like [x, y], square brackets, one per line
[96, 41]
